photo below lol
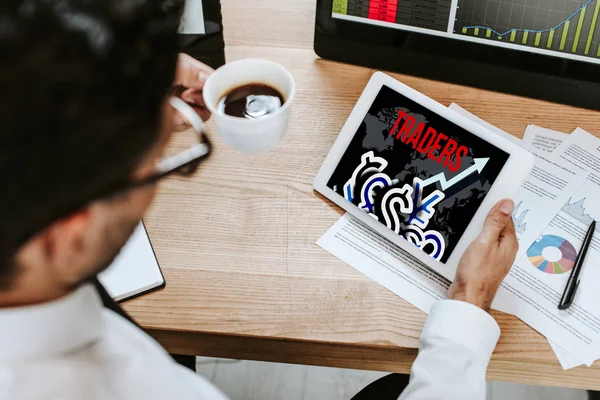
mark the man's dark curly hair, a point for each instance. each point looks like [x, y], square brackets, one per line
[82, 83]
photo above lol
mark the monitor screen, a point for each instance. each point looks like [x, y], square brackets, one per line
[561, 28]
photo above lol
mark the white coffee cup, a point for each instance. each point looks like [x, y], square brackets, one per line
[250, 135]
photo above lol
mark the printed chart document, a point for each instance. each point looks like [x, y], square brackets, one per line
[135, 270]
[538, 278]
[555, 187]
[541, 197]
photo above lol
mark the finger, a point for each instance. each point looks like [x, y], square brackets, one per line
[191, 73]
[498, 218]
[508, 239]
[194, 97]
[203, 112]
[509, 229]
[179, 122]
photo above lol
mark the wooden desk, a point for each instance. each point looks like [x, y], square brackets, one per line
[237, 242]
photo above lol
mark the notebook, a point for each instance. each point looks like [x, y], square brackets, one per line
[135, 271]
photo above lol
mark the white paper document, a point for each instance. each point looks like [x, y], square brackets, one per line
[542, 141]
[566, 359]
[538, 278]
[580, 152]
[382, 261]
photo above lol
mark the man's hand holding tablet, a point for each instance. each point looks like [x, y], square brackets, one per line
[487, 260]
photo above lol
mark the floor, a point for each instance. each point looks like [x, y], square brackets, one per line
[253, 380]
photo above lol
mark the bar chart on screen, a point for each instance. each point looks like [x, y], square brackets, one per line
[561, 25]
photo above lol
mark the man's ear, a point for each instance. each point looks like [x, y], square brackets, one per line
[64, 243]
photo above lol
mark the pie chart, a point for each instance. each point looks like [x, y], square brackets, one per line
[552, 254]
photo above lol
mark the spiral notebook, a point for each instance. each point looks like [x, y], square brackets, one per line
[135, 271]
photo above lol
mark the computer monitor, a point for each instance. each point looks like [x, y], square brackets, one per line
[547, 49]
[201, 31]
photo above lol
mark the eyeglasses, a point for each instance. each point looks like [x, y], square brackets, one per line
[190, 136]
[189, 148]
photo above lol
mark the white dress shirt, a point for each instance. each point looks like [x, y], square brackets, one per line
[456, 345]
[74, 348]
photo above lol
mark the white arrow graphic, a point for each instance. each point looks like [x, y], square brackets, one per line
[441, 178]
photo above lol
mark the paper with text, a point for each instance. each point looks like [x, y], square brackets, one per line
[382, 261]
[542, 141]
[538, 278]
[540, 197]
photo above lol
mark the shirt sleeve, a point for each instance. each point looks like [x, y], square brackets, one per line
[456, 345]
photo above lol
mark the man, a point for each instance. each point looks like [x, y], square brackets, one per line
[85, 119]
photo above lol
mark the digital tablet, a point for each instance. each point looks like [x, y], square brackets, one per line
[418, 173]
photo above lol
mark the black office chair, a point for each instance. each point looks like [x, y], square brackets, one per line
[390, 387]
[387, 388]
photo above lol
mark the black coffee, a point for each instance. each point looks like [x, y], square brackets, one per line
[252, 101]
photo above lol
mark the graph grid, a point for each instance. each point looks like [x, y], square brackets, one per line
[569, 26]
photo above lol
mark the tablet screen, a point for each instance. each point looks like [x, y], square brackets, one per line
[419, 174]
